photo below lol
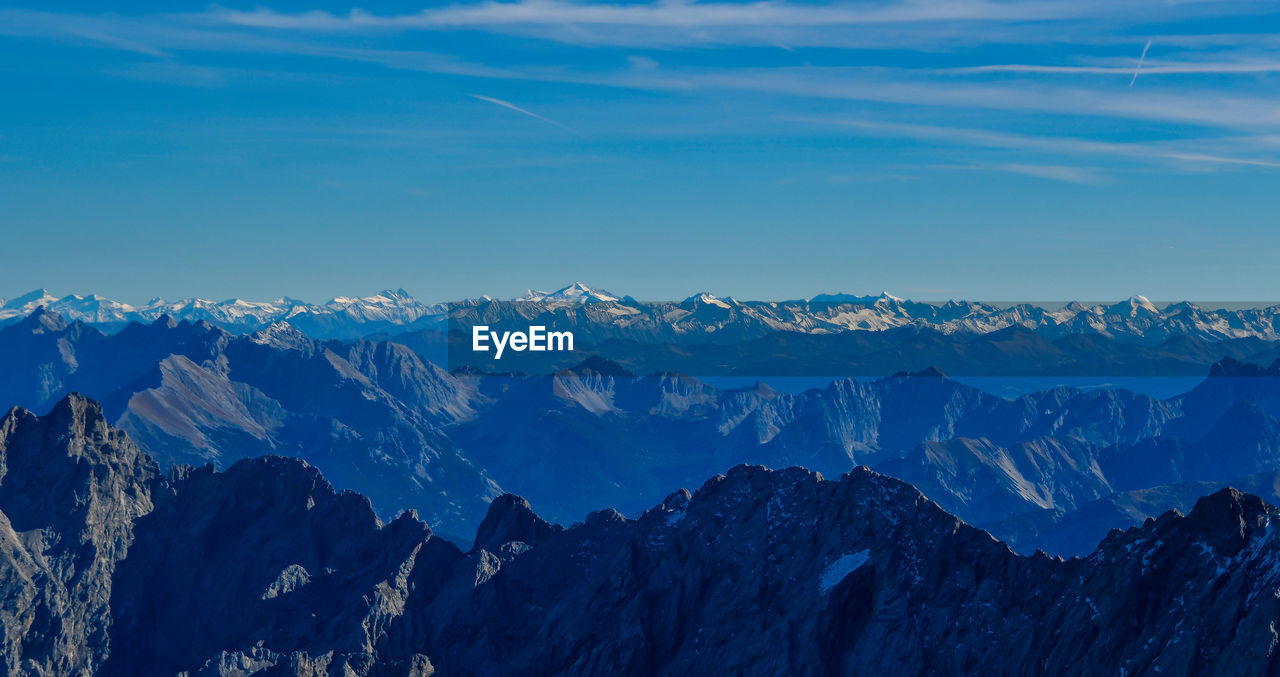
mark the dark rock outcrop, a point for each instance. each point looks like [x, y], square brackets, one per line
[110, 567]
[512, 520]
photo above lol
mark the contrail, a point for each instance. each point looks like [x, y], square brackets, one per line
[512, 106]
[1140, 60]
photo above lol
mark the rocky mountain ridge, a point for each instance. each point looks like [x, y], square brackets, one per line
[759, 571]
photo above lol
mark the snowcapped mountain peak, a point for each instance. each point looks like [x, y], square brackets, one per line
[705, 299]
[385, 297]
[579, 293]
[1181, 307]
[31, 300]
[390, 297]
[1133, 306]
[280, 335]
[93, 308]
[531, 296]
[702, 314]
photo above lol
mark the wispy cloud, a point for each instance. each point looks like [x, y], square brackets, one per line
[511, 106]
[1142, 58]
[164, 36]
[898, 87]
[893, 23]
[772, 23]
[939, 79]
[678, 13]
[1040, 144]
[1067, 173]
[1219, 68]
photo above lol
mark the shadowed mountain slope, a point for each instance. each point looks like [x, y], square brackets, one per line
[767, 572]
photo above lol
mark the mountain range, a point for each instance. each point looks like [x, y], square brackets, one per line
[1007, 356]
[599, 316]
[107, 561]
[1055, 469]
[370, 414]
[1031, 469]
[346, 316]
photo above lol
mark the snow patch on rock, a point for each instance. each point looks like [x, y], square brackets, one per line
[840, 569]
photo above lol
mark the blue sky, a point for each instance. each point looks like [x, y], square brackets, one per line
[1041, 150]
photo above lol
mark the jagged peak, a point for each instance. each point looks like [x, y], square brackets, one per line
[280, 334]
[677, 499]
[511, 519]
[1223, 519]
[602, 518]
[1181, 307]
[1134, 305]
[1229, 367]
[1230, 503]
[76, 407]
[40, 296]
[706, 299]
[579, 293]
[531, 296]
[882, 298]
[76, 427]
[43, 320]
[928, 372]
[596, 364]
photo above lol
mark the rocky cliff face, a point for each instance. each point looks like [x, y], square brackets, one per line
[72, 489]
[110, 567]
[784, 573]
